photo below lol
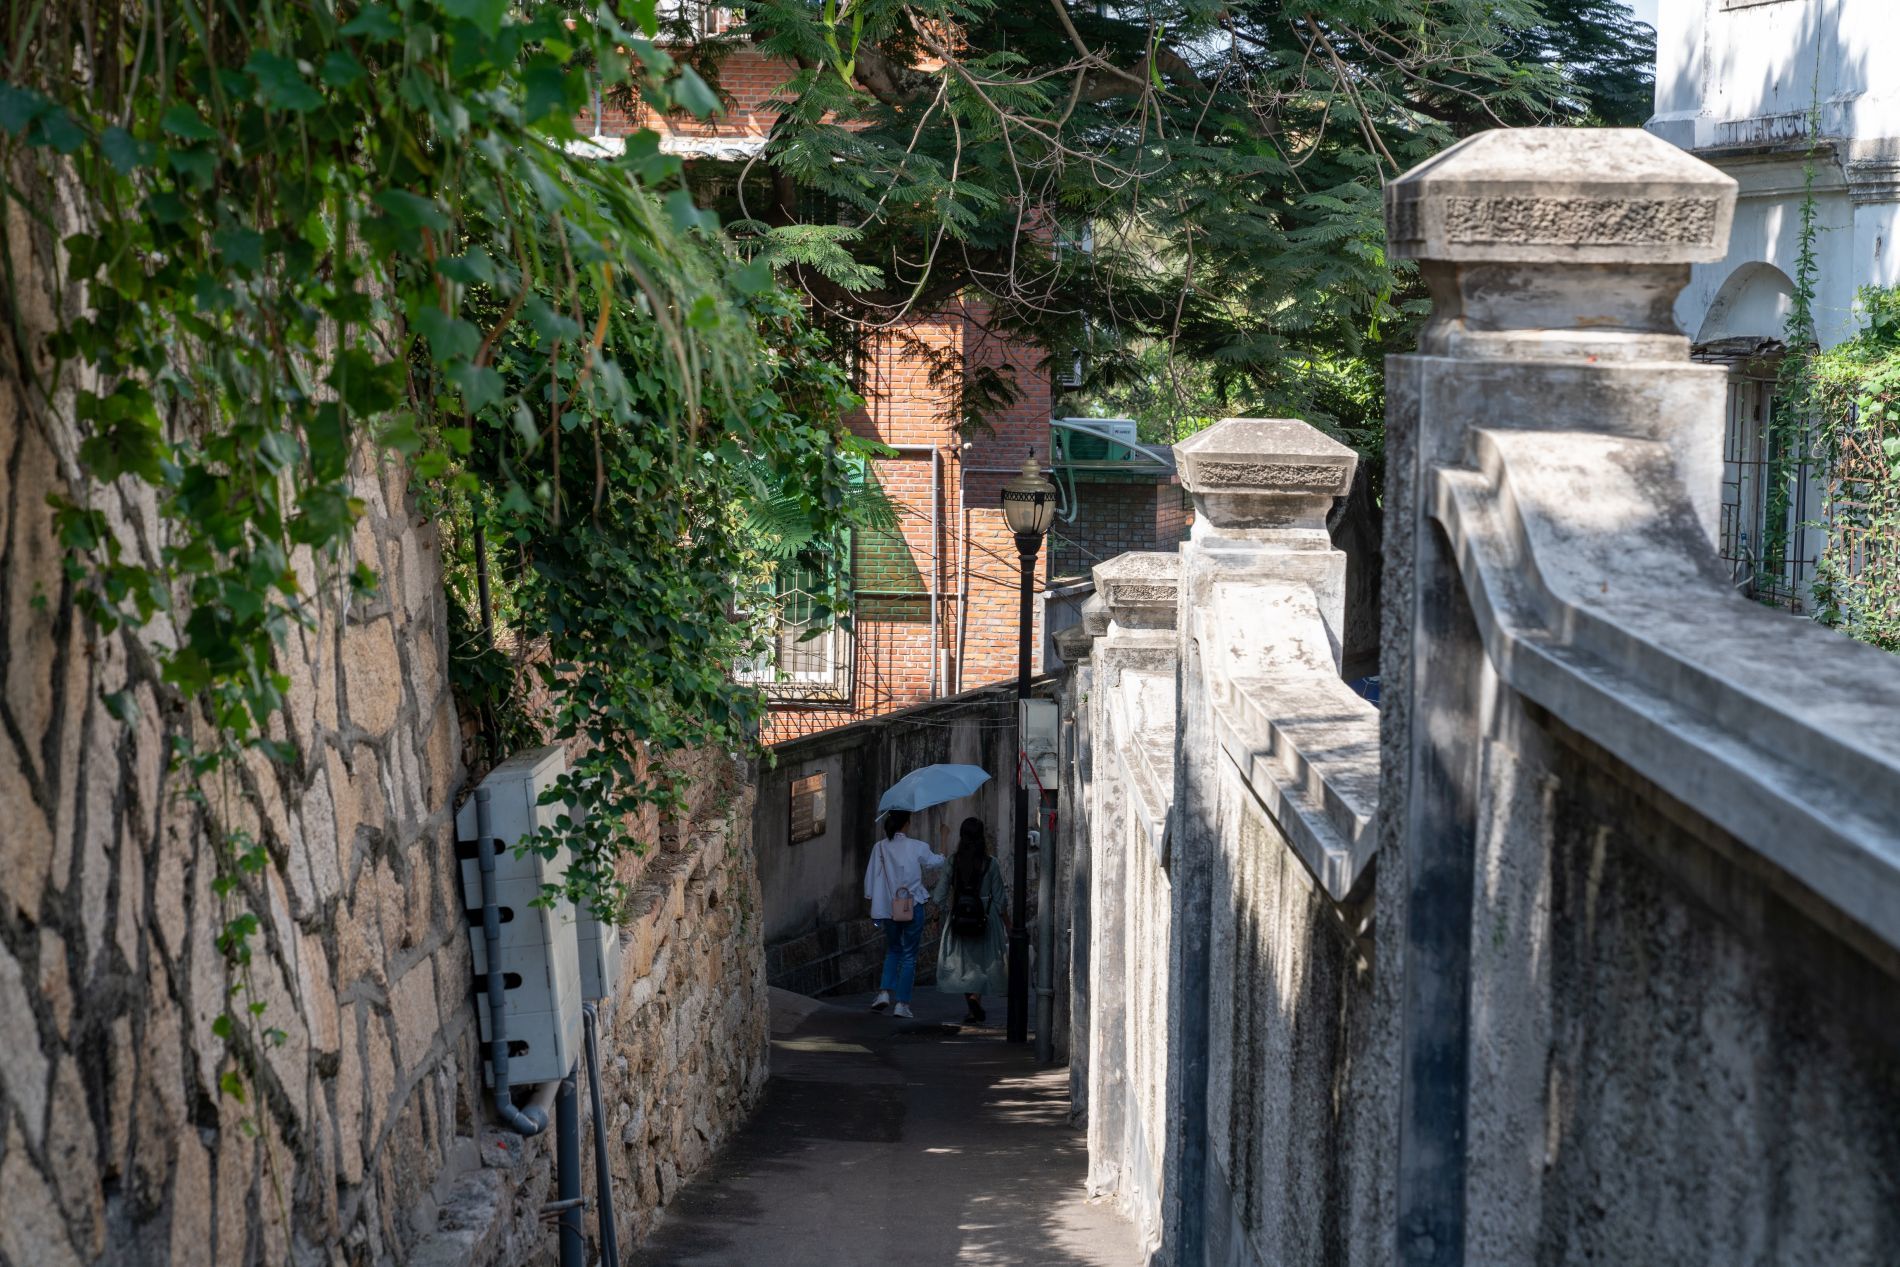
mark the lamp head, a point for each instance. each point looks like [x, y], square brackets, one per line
[1029, 501]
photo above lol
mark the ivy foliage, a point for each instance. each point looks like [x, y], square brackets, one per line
[298, 237]
[1855, 389]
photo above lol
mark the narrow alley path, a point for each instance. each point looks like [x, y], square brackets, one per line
[885, 1141]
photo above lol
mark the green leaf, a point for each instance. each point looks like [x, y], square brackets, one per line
[485, 14]
[693, 93]
[548, 91]
[480, 386]
[548, 323]
[410, 209]
[124, 151]
[241, 247]
[375, 21]
[328, 440]
[280, 83]
[451, 339]
[232, 1085]
[19, 107]
[57, 129]
[184, 123]
[365, 385]
[200, 164]
[341, 70]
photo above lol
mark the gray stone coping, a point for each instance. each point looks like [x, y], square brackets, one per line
[1308, 750]
[1141, 588]
[1599, 597]
[1142, 731]
[1561, 195]
[1265, 455]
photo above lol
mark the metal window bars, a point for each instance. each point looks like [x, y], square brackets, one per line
[798, 665]
[1771, 492]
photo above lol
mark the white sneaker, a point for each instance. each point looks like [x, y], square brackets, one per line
[882, 1001]
[903, 1010]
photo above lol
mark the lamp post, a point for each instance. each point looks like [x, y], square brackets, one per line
[1029, 507]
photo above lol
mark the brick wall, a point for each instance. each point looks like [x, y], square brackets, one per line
[907, 403]
[1130, 513]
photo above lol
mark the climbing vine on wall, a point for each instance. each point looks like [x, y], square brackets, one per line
[1840, 409]
[1856, 401]
[294, 234]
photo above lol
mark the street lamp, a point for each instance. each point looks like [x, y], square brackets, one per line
[1029, 507]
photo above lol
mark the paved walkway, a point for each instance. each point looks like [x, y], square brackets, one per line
[884, 1142]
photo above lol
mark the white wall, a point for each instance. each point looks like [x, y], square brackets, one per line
[1739, 83]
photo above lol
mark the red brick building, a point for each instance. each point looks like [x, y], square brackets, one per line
[937, 598]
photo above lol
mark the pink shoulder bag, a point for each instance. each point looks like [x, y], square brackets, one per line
[903, 905]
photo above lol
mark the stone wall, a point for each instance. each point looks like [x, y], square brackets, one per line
[109, 976]
[1651, 829]
[116, 1143]
[684, 1049]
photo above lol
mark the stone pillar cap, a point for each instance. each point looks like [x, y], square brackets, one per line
[1561, 195]
[1141, 588]
[1265, 455]
[1074, 644]
[1095, 616]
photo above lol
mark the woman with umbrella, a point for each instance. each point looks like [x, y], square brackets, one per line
[894, 876]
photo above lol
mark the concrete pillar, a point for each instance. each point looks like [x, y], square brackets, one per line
[1075, 645]
[1262, 490]
[1554, 258]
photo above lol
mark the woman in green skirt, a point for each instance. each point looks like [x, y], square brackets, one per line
[971, 957]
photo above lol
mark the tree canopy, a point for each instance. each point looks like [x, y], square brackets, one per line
[1109, 175]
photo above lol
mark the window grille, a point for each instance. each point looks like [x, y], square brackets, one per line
[850, 347]
[798, 664]
[1771, 498]
[700, 19]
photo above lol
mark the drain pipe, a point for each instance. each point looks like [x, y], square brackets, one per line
[937, 675]
[567, 1170]
[534, 1119]
[603, 1178]
[1045, 936]
[963, 588]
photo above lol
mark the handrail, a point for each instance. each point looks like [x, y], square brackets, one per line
[1651, 656]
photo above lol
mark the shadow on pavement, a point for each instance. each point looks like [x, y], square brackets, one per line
[884, 1141]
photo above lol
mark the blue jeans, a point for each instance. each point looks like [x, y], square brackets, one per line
[901, 941]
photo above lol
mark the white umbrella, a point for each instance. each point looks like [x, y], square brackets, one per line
[933, 785]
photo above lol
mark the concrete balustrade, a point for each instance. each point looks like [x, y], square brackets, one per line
[1584, 945]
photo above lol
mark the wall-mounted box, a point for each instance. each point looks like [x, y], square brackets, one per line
[538, 946]
[1039, 736]
[599, 943]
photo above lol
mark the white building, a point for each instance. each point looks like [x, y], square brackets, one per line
[1764, 89]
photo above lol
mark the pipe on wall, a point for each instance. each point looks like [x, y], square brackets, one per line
[603, 1177]
[567, 1171]
[532, 1120]
[963, 591]
[1045, 932]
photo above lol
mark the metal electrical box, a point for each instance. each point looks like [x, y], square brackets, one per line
[1036, 724]
[599, 942]
[539, 950]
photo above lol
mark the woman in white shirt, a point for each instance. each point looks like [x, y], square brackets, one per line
[897, 868]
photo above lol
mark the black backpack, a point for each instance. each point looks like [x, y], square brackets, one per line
[968, 916]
